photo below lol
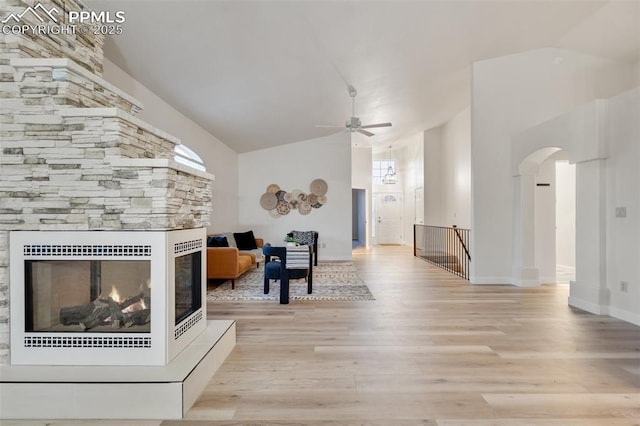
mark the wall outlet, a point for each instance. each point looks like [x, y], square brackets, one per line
[621, 212]
[624, 286]
[324, 245]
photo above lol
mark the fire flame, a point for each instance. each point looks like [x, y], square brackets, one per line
[114, 295]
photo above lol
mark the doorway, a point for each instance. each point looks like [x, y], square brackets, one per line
[565, 222]
[545, 239]
[358, 217]
[555, 218]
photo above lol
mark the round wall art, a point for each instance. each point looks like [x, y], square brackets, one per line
[318, 187]
[279, 202]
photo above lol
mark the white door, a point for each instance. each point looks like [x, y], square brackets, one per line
[389, 218]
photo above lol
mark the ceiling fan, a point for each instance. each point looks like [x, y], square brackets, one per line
[354, 124]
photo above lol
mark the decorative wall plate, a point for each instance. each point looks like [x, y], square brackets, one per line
[283, 207]
[318, 187]
[304, 208]
[268, 201]
[273, 188]
[296, 193]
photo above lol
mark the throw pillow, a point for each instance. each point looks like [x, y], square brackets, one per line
[303, 237]
[217, 241]
[245, 240]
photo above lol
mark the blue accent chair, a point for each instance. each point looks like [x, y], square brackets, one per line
[273, 269]
[276, 269]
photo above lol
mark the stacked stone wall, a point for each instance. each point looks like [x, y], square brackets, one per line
[57, 83]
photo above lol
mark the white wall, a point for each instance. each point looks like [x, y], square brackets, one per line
[566, 214]
[456, 170]
[412, 165]
[623, 190]
[509, 95]
[295, 166]
[219, 159]
[447, 172]
[433, 192]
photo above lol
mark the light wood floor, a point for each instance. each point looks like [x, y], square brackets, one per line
[430, 350]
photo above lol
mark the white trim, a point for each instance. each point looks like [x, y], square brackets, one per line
[491, 280]
[527, 283]
[621, 314]
[590, 307]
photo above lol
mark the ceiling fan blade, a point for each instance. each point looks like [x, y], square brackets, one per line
[364, 132]
[371, 126]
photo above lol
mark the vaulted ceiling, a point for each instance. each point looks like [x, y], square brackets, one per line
[265, 73]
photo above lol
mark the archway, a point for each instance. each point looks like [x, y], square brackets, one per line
[526, 269]
[580, 133]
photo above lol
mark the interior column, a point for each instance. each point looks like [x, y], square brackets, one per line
[589, 292]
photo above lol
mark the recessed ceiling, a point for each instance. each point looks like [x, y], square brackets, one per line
[264, 73]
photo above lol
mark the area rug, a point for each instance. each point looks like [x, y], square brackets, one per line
[331, 281]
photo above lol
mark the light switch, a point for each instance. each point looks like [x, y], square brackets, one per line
[621, 212]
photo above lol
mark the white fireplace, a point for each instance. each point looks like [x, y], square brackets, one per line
[106, 297]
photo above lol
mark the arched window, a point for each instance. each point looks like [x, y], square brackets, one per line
[186, 156]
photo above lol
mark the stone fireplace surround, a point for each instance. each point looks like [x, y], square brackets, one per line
[76, 159]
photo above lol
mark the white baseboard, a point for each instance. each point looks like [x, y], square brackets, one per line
[621, 314]
[527, 283]
[590, 307]
[490, 280]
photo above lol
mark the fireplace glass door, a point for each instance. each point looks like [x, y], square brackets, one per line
[104, 296]
[188, 283]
